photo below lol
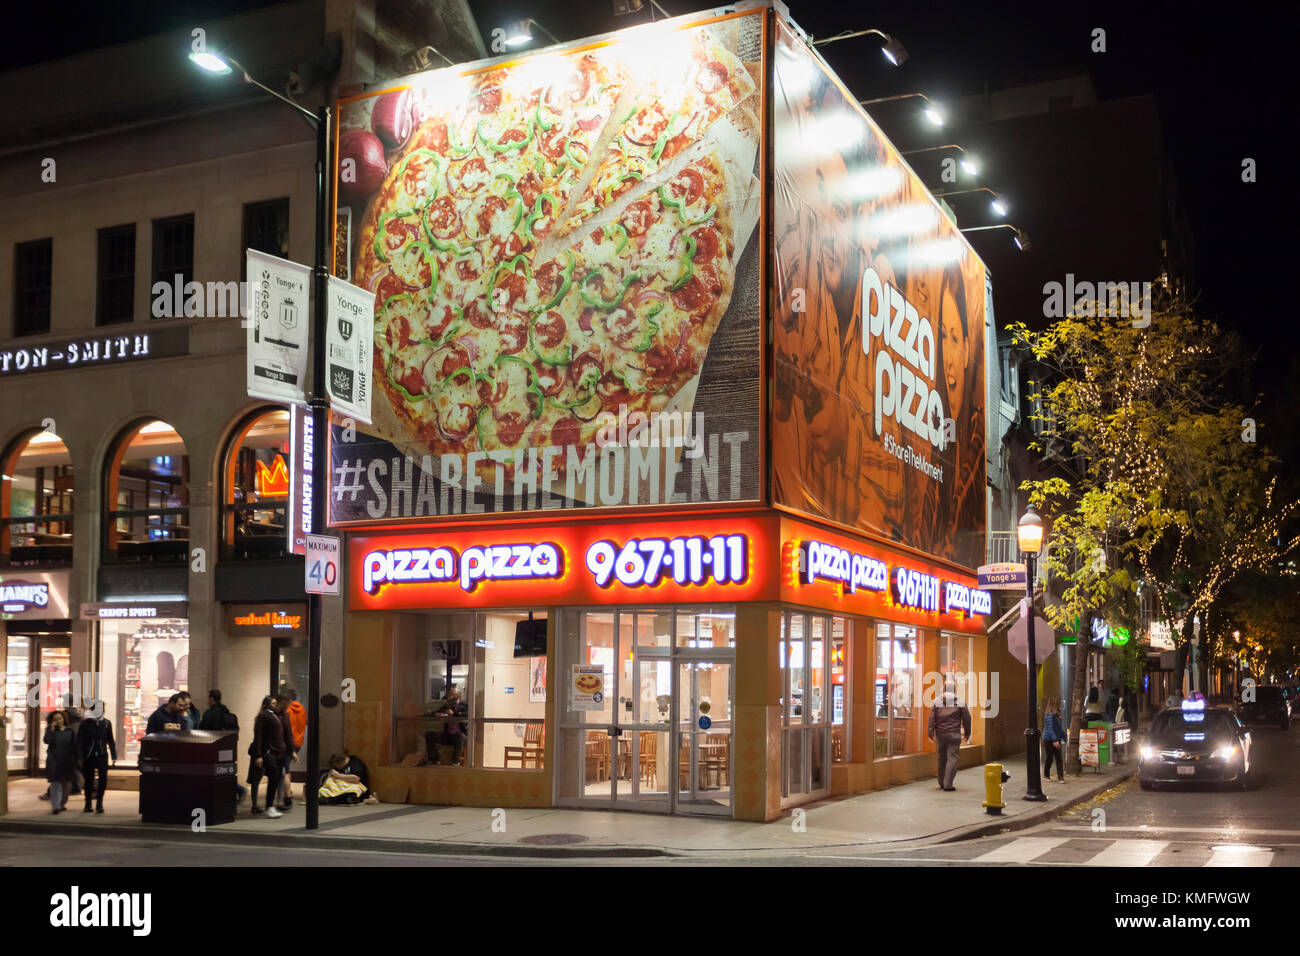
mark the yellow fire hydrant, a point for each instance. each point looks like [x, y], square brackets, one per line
[994, 778]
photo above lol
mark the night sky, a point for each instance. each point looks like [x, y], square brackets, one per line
[1217, 74]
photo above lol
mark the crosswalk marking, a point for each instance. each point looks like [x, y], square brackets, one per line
[1128, 853]
[1020, 850]
[1241, 856]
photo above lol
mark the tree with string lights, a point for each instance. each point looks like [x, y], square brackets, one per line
[1163, 480]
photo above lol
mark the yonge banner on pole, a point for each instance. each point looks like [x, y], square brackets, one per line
[564, 256]
[349, 347]
[278, 322]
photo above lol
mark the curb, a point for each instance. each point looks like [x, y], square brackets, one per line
[366, 844]
[999, 825]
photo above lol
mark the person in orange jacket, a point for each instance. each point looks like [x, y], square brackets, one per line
[297, 715]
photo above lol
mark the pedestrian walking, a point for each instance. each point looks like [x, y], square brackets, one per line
[267, 751]
[95, 746]
[286, 727]
[950, 723]
[297, 735]
[1054, 739]
[60, 759]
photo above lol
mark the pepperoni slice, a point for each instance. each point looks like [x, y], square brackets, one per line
[467, 271]
[437, 139]
[489, 99]
[551, 143]
[529, 186]
[548, 378]
[572, 88]
[645, 127]
[660, 363]
[567, 431]
[624, 327]
[449, 359]
[688, 186]
[547, 277]
[453, 432]
[468, 177]
[444, 220]
[513, 135]
[611, 388]
[507, 247]
[515, 287]
[490, 207]
[707, 243]
[514, 335]
[489, 392]
[712, 76]
[398, 234]
[510, 428]
[479, 315]
[440, 319]
[584, 320]
[585, 370]
[589, 118]
[549, 329]
[412, 381]
[700, 293]
[398, 333]
[390, 286]
[637, 217]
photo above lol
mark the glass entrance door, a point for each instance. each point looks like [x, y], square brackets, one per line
[704, 692]
[641, 746]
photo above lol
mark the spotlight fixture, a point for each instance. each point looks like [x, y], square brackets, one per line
[212, 62]
[934, 115]
[1020, 236]
[520, 32]
[969, 164]
[893, 49]
[999, 207]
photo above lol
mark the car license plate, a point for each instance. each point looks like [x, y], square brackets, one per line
[1187, 771]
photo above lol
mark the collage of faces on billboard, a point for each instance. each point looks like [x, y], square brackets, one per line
[878, 359]
[564, 256]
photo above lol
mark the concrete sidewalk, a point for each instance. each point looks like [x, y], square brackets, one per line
[900, 816]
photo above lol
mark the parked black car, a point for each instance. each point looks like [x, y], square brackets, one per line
[1196, 744]
[1269, 706]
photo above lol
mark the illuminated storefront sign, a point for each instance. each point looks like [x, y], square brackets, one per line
[915, 589]
[729, 559]
[832, 563]
[131, 611]
[272, 480]
[81, 352]
[19, 596]
[253, 620]
[959, 597]
[34, 595]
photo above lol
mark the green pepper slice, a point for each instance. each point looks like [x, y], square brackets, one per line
[537, 211]
[454, 146]
[401, 169]
[556, 360]
[651, 329]
[687, 261]
[577, 163]
[381, 251]
[566, 282]
[510, 266]
[595, 299]
[618, 228]
[402, 388]
[508, 146]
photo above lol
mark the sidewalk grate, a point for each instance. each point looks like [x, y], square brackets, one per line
[554, 839]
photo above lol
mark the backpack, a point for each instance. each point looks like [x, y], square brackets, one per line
[229, 721]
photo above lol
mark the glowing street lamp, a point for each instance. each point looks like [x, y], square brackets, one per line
[1029, 533]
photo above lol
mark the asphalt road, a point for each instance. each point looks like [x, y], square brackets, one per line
[1125, 826]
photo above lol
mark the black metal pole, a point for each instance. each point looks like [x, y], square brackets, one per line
[319, 449]
[1033, 779]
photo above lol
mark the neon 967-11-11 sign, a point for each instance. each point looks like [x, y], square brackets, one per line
[644, 562]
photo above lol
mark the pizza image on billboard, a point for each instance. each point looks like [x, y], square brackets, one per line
[554, 246]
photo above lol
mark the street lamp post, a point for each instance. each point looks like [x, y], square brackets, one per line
[316, 400]
[1030, 534]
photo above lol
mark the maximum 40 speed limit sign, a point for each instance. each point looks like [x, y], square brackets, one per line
[322, 564]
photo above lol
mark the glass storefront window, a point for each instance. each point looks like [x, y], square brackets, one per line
[812, 655]
[18, 654]
[501, 717]
[256, 494]
[955, 666]
[36, 524]
[143, 663]
[839, 702]
[147, 497]
[898, 673]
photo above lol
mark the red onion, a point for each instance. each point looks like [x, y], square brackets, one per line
[362, 166]
[393, 118]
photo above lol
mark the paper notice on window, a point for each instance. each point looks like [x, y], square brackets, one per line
[587, 687]
[349, 342]
[279, 317]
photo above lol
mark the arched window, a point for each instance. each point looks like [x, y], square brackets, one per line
[147, 496]
[36, 501]
[255, 496]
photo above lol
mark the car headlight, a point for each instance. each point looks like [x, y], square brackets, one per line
[1225, 753]
[1147, 752]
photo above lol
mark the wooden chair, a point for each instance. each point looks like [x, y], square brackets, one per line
[720, 759]
[533, 749]
[597, 755]
[649, 758]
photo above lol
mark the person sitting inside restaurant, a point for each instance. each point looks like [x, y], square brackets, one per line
[346, 782]
[453, 731]
[168, 717]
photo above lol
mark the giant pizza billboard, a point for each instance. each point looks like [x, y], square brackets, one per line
[878, 328]
[564, 254]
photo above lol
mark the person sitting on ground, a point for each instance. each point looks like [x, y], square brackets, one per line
[346, 782]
